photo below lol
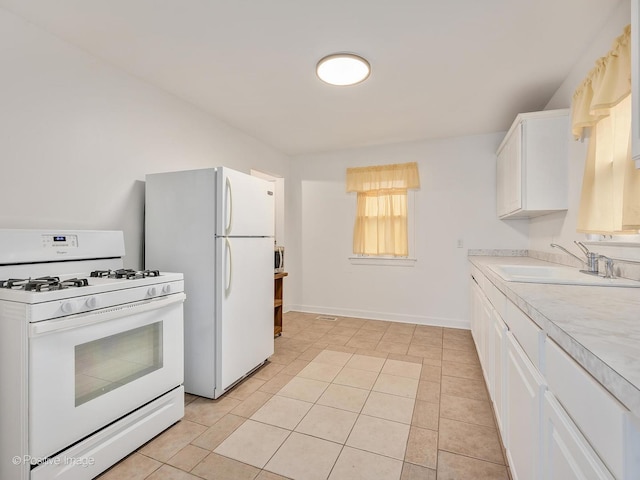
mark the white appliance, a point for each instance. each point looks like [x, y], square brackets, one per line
[216, 225]
[91, 354]
[278, 259]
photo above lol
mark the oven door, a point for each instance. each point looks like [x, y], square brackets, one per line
[88, 370]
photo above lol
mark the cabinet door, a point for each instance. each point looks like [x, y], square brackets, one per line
[498, 344]
[486, 356]
[501, 182]
[514, 171]
[509, 174]
[480, 314]
[476, 305]
[605, 423]
[566, 453]
[524, 389]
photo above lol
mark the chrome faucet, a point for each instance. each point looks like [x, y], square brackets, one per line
[608, 266]
[591, 257]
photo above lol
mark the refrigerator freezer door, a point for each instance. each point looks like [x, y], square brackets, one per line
[244, 307]
[245, 205]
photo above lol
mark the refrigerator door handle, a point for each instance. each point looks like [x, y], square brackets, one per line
[227, 287]
[227, 227]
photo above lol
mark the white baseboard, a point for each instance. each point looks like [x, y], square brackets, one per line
[388, 316]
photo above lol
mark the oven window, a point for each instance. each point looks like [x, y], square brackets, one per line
[111, 362]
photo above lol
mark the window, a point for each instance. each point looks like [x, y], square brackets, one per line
[610, 198]
[607, 205]
[381, 223]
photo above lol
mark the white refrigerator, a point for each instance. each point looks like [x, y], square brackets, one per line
[216, 226]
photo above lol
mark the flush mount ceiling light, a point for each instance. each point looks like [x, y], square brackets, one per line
[343, 69]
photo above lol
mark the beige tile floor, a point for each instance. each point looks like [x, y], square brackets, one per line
[341, 400]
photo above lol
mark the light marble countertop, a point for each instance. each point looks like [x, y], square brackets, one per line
[598, 326]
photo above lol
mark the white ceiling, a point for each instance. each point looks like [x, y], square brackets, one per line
[440, 68]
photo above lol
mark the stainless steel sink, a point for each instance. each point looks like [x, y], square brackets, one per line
[557, 275]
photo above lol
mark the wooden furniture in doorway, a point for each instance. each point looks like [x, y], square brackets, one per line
[277, 302]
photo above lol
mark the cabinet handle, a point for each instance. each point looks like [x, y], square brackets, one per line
[227, 288]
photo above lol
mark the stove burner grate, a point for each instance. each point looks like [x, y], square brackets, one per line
[14, 283]
[126, 273]
[42, 284]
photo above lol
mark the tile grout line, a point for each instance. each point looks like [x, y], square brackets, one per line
[474, 458]
[314, 403]
[439, 407]
[352, 426]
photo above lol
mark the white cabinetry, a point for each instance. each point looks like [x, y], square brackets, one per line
[567, 454]
[509, 174]
[604, 422]
[531, 168]
[488, 331]
[498, 343]
[482, 318]
[556, 421]
[524, 390]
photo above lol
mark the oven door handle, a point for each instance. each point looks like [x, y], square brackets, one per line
[99, 316]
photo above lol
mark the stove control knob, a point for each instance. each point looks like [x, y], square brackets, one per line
[69, 307]
[152, 292]
[92, 302]
[166, 289]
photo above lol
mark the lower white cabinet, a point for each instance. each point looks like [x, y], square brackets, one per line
[476, 301]
[498, 332]
[524, 390]
[556, 421]
[603, 421]
[481, 331]
[486, 314]
[567, 455]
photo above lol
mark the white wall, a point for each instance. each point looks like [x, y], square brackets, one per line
[77, 137]
[456, 201]
[561, 227]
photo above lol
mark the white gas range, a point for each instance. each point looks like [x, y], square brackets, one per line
[91, 354]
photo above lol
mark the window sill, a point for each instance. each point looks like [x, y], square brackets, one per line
[382, 261]
[610, 243]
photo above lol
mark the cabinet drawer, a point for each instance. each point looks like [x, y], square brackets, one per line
[606, 424]
[527, 333]
[477, 276]
[497, 298]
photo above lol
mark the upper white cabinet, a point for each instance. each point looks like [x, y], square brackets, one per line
[532, 165]
[635, 81]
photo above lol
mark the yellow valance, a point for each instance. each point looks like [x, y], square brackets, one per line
[604, 87]
[402, 176]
